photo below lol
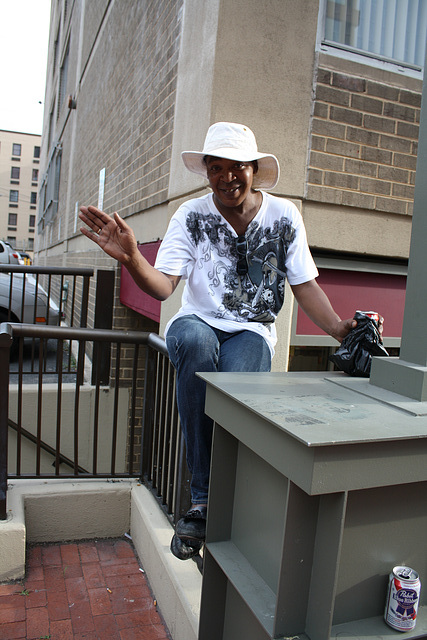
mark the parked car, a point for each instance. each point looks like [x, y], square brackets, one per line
[32, 307]
[26, 258]
[18, 255]
[9, 255]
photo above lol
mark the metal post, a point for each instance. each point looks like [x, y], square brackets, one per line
[104, 302]
[5, 344]
[407, 375]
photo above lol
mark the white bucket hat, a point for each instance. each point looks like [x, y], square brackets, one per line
[234, 142]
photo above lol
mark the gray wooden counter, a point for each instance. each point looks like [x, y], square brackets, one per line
[317, 491]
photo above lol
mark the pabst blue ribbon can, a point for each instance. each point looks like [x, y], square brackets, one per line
[402, 599]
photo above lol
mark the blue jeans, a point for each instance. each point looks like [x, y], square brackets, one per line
[195, 346]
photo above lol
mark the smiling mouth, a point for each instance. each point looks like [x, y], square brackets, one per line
[230, 189]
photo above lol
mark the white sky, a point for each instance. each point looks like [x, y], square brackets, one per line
[24, 39]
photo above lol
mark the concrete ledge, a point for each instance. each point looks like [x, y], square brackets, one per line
[64, 510]
[12, 542]
[77, 510]
[59, 510]
[177, 583]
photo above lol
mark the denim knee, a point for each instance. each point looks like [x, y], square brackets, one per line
[192, 344]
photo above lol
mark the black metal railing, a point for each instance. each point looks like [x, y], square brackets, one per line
[58, 296]
[131, 430]
[47, 295]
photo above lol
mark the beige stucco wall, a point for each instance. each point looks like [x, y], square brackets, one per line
[263, 77]
[249, 62]
[363, 231]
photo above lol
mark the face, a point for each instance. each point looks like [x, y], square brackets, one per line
[230, 180]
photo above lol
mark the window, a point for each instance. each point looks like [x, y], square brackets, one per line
[13, 219]
[16, 149]
[55, 50]
[13, 195]
[50, 130]
[15, 173]
[33, 199]
[35, 176]
[36, 152]
[389, 30]
[49, 193]
[32, 221]
[11, 240]
[63, 79]
[30, 244]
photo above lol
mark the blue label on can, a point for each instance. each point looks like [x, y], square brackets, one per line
[406, 601]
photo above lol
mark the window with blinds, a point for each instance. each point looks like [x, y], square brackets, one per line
[390, 30]
[49, 192]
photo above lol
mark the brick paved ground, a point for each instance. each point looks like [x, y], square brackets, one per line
[81, 591]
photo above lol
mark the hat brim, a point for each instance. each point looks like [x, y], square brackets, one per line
[266, 177]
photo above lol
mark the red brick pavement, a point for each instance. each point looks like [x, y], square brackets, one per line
[81, 591]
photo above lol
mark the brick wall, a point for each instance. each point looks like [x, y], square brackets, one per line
[123, 122]
[125, 97]
[363, 143]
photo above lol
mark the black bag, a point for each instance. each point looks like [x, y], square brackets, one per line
[354, 356]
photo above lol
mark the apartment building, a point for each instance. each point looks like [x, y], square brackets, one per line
[19, 185]
[331, 87]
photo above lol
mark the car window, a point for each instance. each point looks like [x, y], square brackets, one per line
[1, 248]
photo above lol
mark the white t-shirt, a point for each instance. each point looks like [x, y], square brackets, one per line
[200, 245]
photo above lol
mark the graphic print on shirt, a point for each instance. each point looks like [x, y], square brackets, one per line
[258, 295]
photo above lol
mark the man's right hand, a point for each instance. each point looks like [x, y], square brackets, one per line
[115, 237]
[112, 234]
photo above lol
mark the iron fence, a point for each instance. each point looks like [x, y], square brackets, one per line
[69, 423]
[58, 296]
[44, 295]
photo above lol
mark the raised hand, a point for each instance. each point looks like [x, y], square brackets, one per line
[117, 239]
[112, 234]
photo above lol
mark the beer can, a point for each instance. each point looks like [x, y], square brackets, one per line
[371, 314]
[402, 599]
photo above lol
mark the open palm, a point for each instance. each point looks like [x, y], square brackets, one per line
[111, 234]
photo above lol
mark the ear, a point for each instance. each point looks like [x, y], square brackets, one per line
[255, 166]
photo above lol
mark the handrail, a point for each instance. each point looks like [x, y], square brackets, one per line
[71, 271]
[158, 343]
[5, 343]
[159, 459]
[84, 334]
[56, 281]
[32, 438]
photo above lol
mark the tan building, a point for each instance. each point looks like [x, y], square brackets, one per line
[19, 185]
[333, 91]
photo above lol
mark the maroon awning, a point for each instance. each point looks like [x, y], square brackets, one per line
[131, 295]
[352, 290]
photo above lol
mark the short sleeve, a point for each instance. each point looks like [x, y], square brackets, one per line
[300, 266]
[176, 253]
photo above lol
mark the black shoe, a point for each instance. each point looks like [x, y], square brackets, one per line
[183, 550]
[192, 527]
